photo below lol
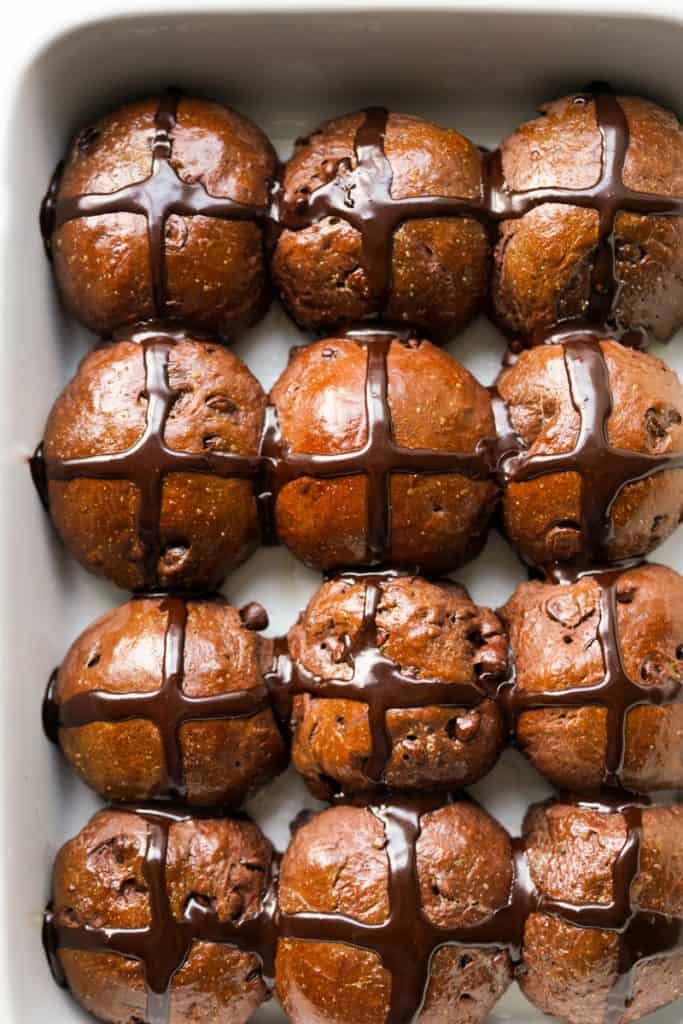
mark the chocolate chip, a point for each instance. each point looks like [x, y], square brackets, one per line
[254, 616]
[87, 138]
[658, 421]
[465, 727]
[569, 609]
[222, 403]
[175, 556]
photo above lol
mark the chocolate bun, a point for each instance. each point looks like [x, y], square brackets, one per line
[580, 411]
[338, 864]
[558, 635]
[365, 642]
[198, 892]
[353, 247]
[417, 492]
[584, 975]
[156, 520]
[206, 732]
[546, 261]
[156, 212]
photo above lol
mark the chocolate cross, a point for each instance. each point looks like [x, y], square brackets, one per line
[616, 690]
[380, 456]
[163, 946]
[149, 460]
[169, 708]
[379, 682]
[609, 196]
[157, 198]
[605, 470]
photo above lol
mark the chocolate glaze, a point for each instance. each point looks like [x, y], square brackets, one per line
[609, 196]
[604, 469]
[379, 457]
[407, 941]
[147, 462]
[169, 708]
[616, 691]
[379, 682]
[157, 197]
[359, 192]
[164, 945]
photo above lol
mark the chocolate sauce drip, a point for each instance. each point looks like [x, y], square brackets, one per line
[604, 470]
[379, 457]
[616, 691]
[163, 946]
[156, 198]
[380, 683]
[149, 461]
[359, 192]
[407, 941]
[609, 197]
[169, 708]
[507, 443]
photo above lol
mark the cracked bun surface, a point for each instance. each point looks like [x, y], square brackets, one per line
[215, 269]
[222, 760]
[543, 260]
[437, 268]
[100, 879]
[569, 971]
[437, 521]
[337, 863]
[555, 645]
[542, 516]
[430, 631]
[207, 524]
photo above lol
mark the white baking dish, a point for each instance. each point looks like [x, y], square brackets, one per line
[480, 70]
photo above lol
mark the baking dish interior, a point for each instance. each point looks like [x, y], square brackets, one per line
[481, 72]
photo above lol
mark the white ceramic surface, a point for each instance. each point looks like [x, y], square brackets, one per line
[477, 68]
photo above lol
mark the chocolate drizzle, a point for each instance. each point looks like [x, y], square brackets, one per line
[157, 198]
[609, 197]
[163, 946]
[407, 941]
[379, 682]
[379, 457]
[359, 192]
[169, 708]
[605, 470]
[616, 691]
[149, 460]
